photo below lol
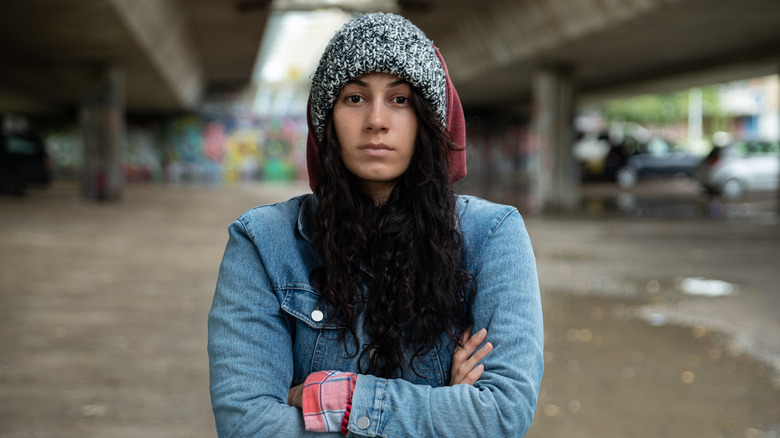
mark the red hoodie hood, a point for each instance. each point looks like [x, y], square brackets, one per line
[456, 127]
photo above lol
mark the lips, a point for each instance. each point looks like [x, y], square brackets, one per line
[375, 150]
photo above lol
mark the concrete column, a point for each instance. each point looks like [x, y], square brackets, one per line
[103, 126]
[557, 179]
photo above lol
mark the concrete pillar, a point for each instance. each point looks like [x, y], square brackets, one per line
[103, 125]
[557, 179]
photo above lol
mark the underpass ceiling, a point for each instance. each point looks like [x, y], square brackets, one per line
[614, 47]
[49, 51]
[227, 33]
[48, 48]
[493, 47]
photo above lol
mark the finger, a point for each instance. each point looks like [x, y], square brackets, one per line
[474, 375]
[480, 354]
[464, 337]
[467, 348]
[461, 355]
[461, 367]
[484, 351]
[467, 368]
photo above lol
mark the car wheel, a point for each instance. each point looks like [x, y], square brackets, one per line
[626, 177]
[733, 188]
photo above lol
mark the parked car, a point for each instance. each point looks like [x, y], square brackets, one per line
[741, 167]
[23, 161]
[590, 150]
[630, 163]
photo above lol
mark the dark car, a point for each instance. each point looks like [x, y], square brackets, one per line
[628, 164]
[23, 162]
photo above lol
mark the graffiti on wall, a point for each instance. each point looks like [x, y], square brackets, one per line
[64, 146]
[231, 150]
[142, 158]
[199, 150]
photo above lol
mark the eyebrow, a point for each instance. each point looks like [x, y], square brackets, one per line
[360, 83]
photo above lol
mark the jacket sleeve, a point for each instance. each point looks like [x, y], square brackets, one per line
[250, 349]
[503, 401]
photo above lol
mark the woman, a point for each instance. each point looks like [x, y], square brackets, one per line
[360, 309]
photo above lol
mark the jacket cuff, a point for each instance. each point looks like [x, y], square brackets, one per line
[367, 405]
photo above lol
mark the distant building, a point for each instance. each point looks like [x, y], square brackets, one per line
[755, 106]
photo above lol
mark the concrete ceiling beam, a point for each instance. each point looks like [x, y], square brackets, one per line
[160, 27]
[512, 31]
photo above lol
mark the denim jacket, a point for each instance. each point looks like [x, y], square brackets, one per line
[268, 332]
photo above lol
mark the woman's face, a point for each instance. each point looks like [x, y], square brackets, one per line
[376, 126]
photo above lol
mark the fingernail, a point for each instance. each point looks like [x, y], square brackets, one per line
[480, 367]
[481, 333]
[487, 347]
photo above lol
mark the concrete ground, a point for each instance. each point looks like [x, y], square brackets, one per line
[661, 318]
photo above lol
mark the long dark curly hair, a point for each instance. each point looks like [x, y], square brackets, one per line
[399, 261]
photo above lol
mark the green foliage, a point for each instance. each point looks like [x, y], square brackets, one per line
[662, 108]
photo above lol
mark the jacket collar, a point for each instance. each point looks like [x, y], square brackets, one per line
[307, 216]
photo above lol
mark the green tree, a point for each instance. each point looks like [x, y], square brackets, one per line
[660, 109]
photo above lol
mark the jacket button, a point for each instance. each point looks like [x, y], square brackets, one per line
[317, 315]
[363, 423]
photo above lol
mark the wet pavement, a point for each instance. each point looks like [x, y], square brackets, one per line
[660, 313]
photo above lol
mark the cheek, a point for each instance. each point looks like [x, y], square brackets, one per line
[343, 123]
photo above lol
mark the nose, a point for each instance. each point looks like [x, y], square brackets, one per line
[377, 117]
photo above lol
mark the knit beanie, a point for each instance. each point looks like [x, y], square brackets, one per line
[383, 43]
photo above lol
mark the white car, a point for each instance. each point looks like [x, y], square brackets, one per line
[741, 167]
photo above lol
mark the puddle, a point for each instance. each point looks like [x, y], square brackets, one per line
[611, 375]
[706, 287]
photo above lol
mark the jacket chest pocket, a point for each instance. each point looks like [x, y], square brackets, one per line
[317, 342]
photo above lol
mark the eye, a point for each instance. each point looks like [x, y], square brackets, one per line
[353, 99]
[401, 100]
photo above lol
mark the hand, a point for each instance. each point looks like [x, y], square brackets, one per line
[295, 396]
[465, 363]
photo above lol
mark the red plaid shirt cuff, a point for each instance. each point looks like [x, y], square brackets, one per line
[326, 397]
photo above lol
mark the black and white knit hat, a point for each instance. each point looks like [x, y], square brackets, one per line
[383, 43]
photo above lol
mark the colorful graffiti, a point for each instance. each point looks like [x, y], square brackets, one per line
[232, 150]
[199, 150]
[142, 157]
[65, 148]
